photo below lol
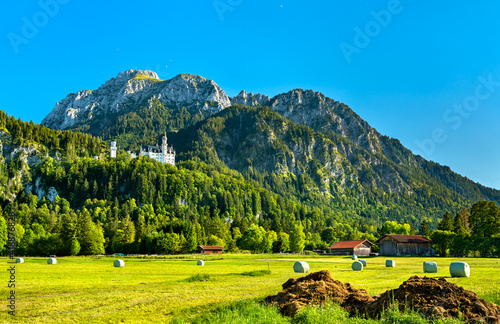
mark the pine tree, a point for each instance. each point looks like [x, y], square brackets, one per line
[192, 241]
[446, 224]
[424, 229]
[464, 213]
[458, 225]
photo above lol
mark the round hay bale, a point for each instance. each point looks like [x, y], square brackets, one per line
[51, 261]
[301, 267]
[357, 266]
[354, 257]
[119, 263]
[430, 267]
[363, 261]
[390, 263]
[200, 263]
[19, 260]
[459, 269]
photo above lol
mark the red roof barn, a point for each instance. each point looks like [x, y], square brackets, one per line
[357, 247]
[210, 249]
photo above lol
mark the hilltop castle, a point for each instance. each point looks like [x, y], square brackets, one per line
[162, 153]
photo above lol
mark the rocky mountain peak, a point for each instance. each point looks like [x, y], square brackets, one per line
[184, 90]
[125, 76]
[250, 99]
[189, 77]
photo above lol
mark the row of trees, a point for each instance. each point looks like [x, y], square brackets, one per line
[477, 231]
[45, 228]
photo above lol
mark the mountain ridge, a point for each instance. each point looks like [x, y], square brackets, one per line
[143, 107]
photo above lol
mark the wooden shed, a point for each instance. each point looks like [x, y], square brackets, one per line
[405, 245]
[207, 249]
[357, 247]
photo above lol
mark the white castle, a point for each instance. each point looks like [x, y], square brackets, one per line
[162, 153]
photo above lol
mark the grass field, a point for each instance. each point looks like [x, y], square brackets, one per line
[91, 290]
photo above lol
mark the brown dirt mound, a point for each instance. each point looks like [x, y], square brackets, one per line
[435, 298]
[317, 287]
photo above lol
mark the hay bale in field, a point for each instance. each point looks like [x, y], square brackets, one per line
[119, 263]
[390, 263]
[354, 257]
[459, 269]
[200, 263]
[357, 266]
[363, 261]
[301, 267]
[19, 260]
[51, 261]
[430, 267]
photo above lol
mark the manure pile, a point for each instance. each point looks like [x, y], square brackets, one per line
[432, 298]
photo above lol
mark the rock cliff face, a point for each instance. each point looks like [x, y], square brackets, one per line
[250, 99]
[132, 87]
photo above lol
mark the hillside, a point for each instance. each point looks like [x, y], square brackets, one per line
[300, 144]
[321, 170]
[24, 145]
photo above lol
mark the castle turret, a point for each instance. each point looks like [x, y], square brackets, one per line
[113, 149]
[164, 148]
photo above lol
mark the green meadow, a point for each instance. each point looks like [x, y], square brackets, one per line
[161, 290]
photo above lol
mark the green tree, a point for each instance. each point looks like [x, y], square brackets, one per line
[391, 227]
[90, 235]
[3, 233]
[172, 243]
[442, 241]
[485, 219]
[485, 225]
[297, 238]
[267, 242]
[213, 240]
[424, 229]
[458, 225]
[328, 235]
[282, 243]
[192, 241]
[124, 236]
[446, 223]
[252, 238]
[75, 247]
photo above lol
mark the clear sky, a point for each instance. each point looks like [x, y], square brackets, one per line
[424, 72]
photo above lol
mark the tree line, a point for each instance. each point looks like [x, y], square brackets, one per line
[474, 232]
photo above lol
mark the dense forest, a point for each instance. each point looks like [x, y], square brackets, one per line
[128, 205]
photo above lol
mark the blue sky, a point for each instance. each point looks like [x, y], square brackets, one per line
[426, 73]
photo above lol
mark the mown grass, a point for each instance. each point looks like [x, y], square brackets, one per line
[198, 277]
[154, 290]
[253, 311]
[256, 273]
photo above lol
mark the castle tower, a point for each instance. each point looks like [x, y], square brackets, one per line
[164, 148]
[113, 149]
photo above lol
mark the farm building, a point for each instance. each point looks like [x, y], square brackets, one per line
[357, 247]
[399, 245]
[210, 249]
